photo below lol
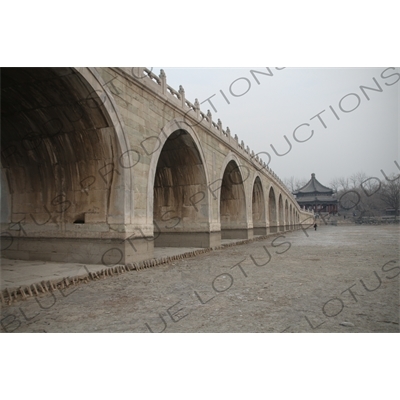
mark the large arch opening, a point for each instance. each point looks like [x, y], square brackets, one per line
[281, 214]
[233, 204]
[59, 156]
[291, 217]
[272, 213]
[258, 209]
[287, 223]
[180, 209]
[294, 223]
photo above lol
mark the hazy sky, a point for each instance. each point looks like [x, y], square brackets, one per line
[364, 138]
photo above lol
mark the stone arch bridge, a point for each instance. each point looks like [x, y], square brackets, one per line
[102, 165]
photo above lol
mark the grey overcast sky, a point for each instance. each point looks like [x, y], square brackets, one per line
[362, 136]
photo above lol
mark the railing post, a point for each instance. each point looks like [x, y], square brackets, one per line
[209, 116]
[197, 108]
[182, 94]
[163, 78]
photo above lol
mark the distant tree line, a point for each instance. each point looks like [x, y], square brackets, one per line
[367, 196]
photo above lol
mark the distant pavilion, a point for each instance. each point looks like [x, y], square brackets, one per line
[317, 197]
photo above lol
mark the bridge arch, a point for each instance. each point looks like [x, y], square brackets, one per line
[272, 211]
[66, 162]
[281, 214]
[258, 208]
[291, 216]
[287, 223]
[232, 199]
[178, 195]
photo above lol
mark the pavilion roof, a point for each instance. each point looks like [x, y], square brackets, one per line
[313, 186]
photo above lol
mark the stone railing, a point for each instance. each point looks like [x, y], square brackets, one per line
[178, 98]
